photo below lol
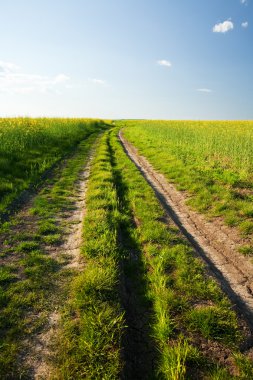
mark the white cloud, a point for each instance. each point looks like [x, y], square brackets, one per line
[245, 24]
[61, 78]
[97, 81]
[8, 67]
[13, 80]
[244, 2]
[207, 90]
[164, 62]
[223, 27]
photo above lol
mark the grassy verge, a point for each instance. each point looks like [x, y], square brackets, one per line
[29, 147]
[211, 161]
[31, 279]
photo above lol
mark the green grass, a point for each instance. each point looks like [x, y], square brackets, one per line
[138, 272]
[211, 161]
[213, 323]
[177, 287]
[30, 280]
[93, 320]
[29, 147]
[127, 242]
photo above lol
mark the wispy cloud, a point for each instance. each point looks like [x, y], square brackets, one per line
[13, 80]
[223, 27]
[164, 62]
[100, 82]
[244, 2]
[245, 24]
[207, 90]
[61, 78]
[8, 67]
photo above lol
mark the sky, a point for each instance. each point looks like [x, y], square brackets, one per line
[134, 59]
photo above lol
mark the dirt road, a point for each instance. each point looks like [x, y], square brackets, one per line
[41, 348]
[216, 243]
[44, 238]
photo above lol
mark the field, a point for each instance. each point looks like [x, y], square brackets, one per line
[211, 161]
[28, 147]
[98, 278]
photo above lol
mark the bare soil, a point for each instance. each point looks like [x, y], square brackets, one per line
[214, 242]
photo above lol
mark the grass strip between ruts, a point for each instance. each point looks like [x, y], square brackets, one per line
[93, 321]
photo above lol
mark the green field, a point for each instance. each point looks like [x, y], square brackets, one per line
[211, 161]
[29, 147]
[141, 305]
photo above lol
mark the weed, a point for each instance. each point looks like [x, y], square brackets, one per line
[214, 323]
[52, 239]
[246, 227]
[27, 246]
[246, 250]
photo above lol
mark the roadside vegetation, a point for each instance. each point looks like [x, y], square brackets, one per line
[29, 147]
[210, 161]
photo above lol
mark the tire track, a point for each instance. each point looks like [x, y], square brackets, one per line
[41, 350]
[213, 242]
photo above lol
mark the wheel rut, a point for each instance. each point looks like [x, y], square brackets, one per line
[40, 352]
[213, 241]
[37, 343]
[138, 352]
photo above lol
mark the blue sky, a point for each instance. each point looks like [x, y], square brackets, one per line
[159, 59]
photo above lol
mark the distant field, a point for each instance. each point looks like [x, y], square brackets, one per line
[211, 161]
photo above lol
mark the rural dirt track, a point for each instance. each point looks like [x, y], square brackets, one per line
[39, 348]
[42, 345]
[214, 242]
